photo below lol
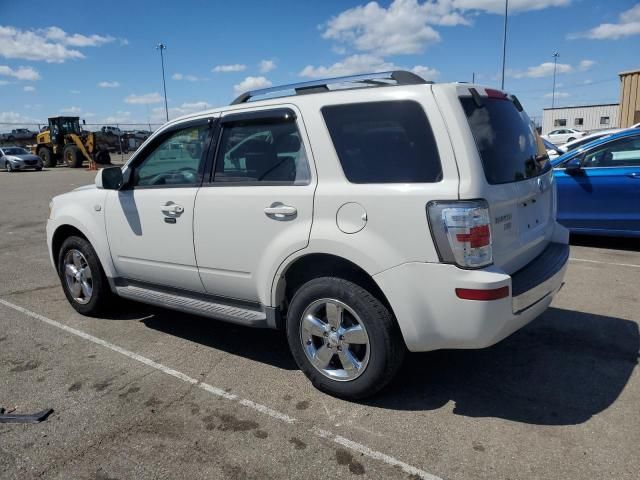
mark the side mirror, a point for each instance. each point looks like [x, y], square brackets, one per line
[573, 166]
[109, 178]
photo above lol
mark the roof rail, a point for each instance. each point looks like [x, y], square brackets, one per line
[400, 77]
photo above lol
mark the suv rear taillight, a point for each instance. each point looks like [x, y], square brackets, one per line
[462, 232]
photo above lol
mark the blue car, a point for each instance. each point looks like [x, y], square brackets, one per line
[599, 186]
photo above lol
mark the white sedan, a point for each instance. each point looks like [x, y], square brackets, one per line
[563, 135]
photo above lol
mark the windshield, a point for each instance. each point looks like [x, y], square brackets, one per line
[510, 148]
[15, 151]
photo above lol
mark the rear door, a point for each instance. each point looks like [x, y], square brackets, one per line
[604, 193]
[518, 180]
[257, 208]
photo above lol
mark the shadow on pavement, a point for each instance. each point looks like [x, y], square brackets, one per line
[262, 345]
[561, 369]
[612, 243]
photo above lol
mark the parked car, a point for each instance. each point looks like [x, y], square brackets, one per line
[362, 221]
[18, 134]
[18, 158]
[563, 135]
[111, 130]
[599, 186]
[577, 143]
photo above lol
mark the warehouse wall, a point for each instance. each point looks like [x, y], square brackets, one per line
[629, 98]
[591, 115]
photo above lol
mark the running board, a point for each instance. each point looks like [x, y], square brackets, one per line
[195, 304]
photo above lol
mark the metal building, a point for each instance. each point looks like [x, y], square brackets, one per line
[587, 118]
[629, 98]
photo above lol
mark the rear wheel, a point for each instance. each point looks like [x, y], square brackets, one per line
[83, 280]
[570, 139]
[48, 160]
[72, 156]
[343, 338]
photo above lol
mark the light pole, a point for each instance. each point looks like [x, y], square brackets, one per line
[553, 91]
[161, 47]
[504, 41]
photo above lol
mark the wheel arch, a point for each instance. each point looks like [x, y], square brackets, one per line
[314, 265]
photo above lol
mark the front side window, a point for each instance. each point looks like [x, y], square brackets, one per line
[264, 151]
[620, 153]
[176, 160]
[384, 142]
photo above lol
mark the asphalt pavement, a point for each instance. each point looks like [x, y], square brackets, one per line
[150, 393]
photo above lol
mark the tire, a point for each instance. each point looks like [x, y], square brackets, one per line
[8, 167]
[103, 158]
[72, 156]
[100, 292]
[48, 160]
[379, 358]
[38, 169]
[570, 139]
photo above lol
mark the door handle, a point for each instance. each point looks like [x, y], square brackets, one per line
[635, 175]
[279, 210]
[171, 208]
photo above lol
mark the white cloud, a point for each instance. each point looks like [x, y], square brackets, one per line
[158, 115]
[628, 25]
[109, 84]
[497, 6]
[251, 83]
[52, 44]
[29, 88]
[557, 95]
[21, 73]
[18, 120]
[145, 99]
[236, 67]
[188, 78]
[585, 65]
[543, 70]
[365, 63]
[119, 117]
[267, 65]
[425, 72]
[71, 110]
[403, 28]
[4, 82]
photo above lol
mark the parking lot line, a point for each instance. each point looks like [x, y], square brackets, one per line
[219, 392]
[633, 265]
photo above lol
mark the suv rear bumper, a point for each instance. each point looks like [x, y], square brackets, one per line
[431, 316]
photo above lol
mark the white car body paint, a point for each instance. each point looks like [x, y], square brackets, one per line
[234, 250]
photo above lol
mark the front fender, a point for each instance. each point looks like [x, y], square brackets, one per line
[83, 210]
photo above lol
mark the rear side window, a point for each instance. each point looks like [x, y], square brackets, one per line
[510, 148]
[384, 142]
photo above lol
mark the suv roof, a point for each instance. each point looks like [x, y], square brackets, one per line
[382, 79]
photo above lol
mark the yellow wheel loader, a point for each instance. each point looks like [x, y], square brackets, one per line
[64, 140]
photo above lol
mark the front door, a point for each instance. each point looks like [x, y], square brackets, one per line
[604, 193]
[150, 221]
[257, 208]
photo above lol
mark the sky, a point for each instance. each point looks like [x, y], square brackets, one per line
[101, 62]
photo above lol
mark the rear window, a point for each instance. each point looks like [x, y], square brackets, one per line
[384, 142]
[510, 148]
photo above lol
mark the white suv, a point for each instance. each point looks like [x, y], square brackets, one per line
[363, 215]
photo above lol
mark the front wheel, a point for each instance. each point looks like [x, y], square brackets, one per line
[83, 280]
[343, 338]
[570, 139]
[48, 159]
[8, 166]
